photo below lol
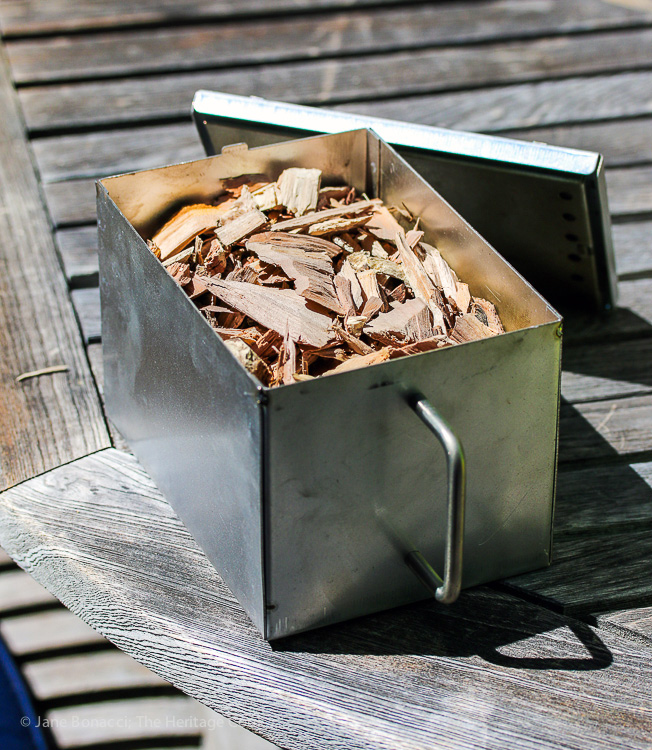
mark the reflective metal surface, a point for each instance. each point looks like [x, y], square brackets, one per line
[542, 207]
[308, 497]
[446, 589]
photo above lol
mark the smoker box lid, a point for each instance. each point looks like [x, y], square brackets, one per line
[542, 207]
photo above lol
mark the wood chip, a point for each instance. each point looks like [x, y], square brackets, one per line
[184, 226]
[247, 357]
[383, 225]
[362, 261]
[358, 346]
[361, 360]
[291, 304]
[421, 284]
[301, 222]
[279, 309]
[344, 295]
[486, 313]
[409, 321]
[427, 345]
[356, 290]
[469, 328]
[308, 265]
[240, 227]
[298, 189]
[443, 276]
[337, 224]
[266, 197]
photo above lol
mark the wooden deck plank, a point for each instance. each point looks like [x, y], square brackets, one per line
[123, 721]
[87, 307]
[622, 142]
[467, 21]
[376, 35]
[78, 249]
[609, 369]
[630, 191]
[85, 675]
[47, 632]
[19, 591]
[72, 202]
[497, 109]
[633, 243]
[600, 500]
[635, 620]
[115, 151]
[334, 688]
[592, 574]
[48, 420]
[605, 429]
[21, 17]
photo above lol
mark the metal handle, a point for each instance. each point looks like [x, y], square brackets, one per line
[448, 589]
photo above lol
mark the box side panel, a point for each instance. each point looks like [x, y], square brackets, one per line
[487, 273]
[357, 481]
[544, 224]
[185, 406]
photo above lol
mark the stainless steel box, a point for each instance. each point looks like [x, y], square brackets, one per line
[318, 501]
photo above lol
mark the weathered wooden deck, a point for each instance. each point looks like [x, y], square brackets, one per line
[559, 658]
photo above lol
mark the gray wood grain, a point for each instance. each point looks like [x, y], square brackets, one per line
[630, 191]
[23, 17]
[86, 675]
[125, 564]
[78, 252]
[632, 318]
[48, 420]
[19, 592]
[524, 105]
[142, 720]
[78, 249]
[115, 151]
[605, 429]
[633, 243]
[47, 632]
[351, 34]
[87, 307]
[72, 202]
[608, 369]
[594, 573]
[603, 500]
[622, 142]
[634, 620]
[502, 108]
[467, 20]
[601, 551]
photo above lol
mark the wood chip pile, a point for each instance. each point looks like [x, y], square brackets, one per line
[301, 280]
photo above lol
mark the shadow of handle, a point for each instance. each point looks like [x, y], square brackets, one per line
[599, 655]
[447, 590]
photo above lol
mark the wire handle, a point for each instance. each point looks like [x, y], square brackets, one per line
[448, 589]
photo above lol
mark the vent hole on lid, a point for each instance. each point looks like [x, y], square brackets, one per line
[577, 277]
[569, 217]
[565, 196]
[575, 258]
[572, 237]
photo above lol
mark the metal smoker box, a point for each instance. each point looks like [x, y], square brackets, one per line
[318, 501]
